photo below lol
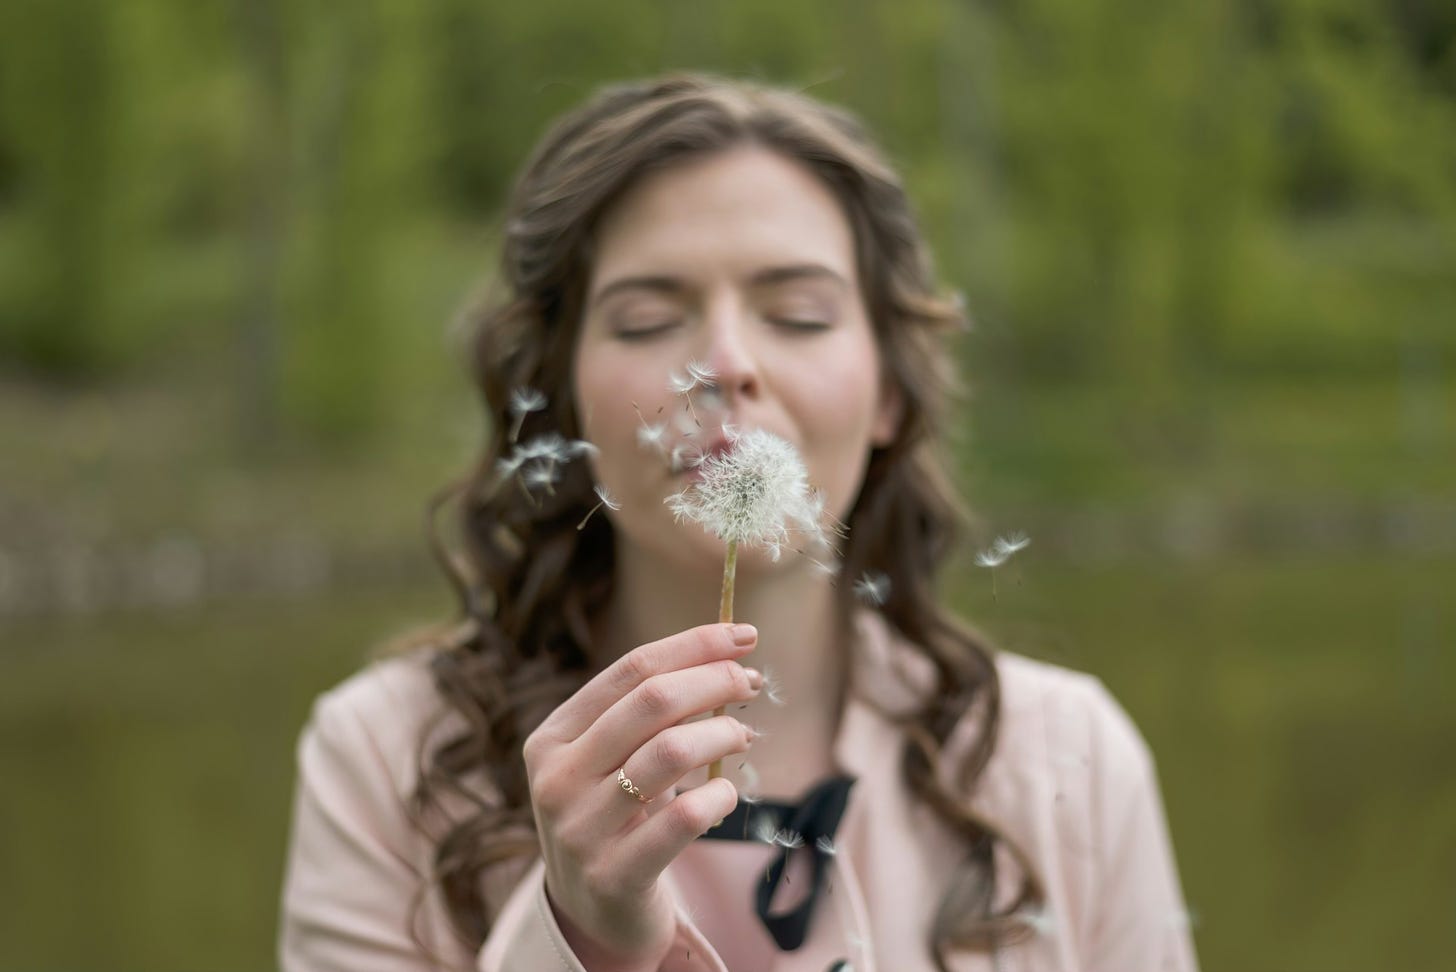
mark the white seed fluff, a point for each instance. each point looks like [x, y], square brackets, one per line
[872, 588]
[755, 493]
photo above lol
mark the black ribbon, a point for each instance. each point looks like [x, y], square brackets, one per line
[816, 816]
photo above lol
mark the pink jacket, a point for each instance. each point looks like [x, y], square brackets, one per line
[1071, 782]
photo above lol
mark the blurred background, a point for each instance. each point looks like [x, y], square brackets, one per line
[1211, 253]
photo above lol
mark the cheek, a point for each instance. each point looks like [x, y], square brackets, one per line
[843, 399]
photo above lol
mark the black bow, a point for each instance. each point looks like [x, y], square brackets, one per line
[816, 817]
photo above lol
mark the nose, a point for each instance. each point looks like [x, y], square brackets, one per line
[731, 354]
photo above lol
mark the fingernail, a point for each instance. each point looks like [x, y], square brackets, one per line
[744, 634]
[755, 678]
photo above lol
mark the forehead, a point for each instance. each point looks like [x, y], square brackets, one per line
[727, 214]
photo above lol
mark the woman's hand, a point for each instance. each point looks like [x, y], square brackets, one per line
[604, 849]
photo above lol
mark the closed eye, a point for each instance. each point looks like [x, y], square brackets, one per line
[641, 332]
[801, 323]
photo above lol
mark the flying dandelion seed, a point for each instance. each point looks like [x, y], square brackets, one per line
[999, 552]
[1040, 921]
[749, 789]
[694, 375]
[991, 558]
[826, 846]
[651, 435]
[542, 477]
[604, 498]
[789, 839]
[764, 830]
[872, 588]
[820, 566]
[684, 456]
[701, 373]
[1008, 545]
[524, 401]
[771, 688]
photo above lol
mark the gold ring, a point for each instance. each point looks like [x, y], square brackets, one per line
[629, 787]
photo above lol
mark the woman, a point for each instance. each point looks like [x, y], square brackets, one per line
[691, 260]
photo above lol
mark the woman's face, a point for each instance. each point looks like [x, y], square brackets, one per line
[744, 262]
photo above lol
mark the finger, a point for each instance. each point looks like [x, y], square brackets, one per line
[658, 703]
[671, 755]
[639, 857]
[696, 646]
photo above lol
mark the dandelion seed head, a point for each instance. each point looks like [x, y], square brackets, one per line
[752, 492]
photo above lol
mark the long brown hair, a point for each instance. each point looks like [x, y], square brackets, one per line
[530, 583]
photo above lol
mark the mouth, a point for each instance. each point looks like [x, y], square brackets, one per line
[688, 455]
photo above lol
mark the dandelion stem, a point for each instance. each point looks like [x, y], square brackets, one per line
[730, 569]
[725, 615]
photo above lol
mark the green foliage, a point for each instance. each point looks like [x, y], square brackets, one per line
[1147, 196]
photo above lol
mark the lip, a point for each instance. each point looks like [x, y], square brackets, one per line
[715, 445]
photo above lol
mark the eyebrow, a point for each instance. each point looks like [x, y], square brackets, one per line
[766, 277]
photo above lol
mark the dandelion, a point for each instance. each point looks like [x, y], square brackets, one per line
[826, 846]
[999, 552]
[872, 588]
[524, 401]
[752, 493]
[604, 498]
